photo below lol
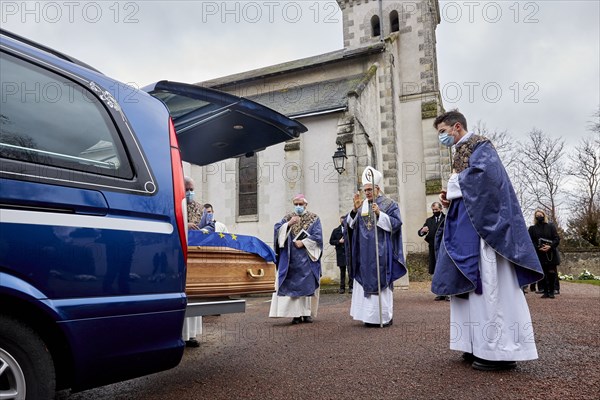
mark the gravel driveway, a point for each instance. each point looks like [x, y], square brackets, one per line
[249, 356]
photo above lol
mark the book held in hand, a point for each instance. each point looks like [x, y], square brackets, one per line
[301, 235]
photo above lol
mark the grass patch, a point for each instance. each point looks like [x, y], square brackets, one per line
[588, 281]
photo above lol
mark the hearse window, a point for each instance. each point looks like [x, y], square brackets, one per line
[48, 119]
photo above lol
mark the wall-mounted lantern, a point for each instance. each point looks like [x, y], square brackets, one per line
[339, 159]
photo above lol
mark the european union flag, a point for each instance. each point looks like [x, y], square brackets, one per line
[245, 243]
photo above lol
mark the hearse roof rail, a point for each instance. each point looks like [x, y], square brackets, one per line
[46, 49]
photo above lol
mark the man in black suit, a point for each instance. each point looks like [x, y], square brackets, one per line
[428, 230]
[337, 240]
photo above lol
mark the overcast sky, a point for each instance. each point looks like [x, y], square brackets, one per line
[514, 65]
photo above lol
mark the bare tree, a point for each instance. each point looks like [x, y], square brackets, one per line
[595, 125]
[542, 172]
[595, 128]
[504, 144]
[520, 182]
[585, 168]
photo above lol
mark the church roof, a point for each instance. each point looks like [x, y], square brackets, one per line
[313, 98]
[292, 66]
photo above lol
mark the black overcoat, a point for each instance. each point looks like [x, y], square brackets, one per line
[433, 227]
[340, 250]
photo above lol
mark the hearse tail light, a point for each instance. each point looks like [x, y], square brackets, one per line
[178, 189]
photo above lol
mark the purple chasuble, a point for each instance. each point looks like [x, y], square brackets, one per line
[489, 210]
[362, 249]
[298, 275]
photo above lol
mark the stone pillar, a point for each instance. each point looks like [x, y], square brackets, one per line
[347, 180]
[293, 169]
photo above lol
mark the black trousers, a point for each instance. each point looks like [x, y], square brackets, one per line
[431, 259]
[541, 285]
[343, 278]
[550, 277]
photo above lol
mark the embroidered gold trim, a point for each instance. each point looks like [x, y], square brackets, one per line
[306, 220]
[464, 151]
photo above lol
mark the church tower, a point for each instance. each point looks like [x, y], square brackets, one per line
[375, 98]
[411, 24]
[407, 149]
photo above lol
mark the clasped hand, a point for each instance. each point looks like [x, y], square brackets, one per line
[445, 202]
[545, 248]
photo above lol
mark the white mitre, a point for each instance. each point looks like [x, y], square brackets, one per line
[370, 176]
[377, 177]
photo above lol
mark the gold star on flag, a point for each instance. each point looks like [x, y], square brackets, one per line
[234, 237]
[221, 235]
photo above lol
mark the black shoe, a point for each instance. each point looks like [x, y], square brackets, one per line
[469, 357]
[546, 296]
[296, 320]
[551, 295]
[487, 365]
[439, 298]
[342, 291]
[370, 325]
[192, 343]
[447, 298]
[307, 319]
[539, 291]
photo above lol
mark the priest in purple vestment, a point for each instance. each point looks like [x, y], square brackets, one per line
[485, 255]
[298, 245]
[360, 236]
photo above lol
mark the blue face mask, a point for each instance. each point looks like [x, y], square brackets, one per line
[189, 196]
[209, 217]
[299, 209]
[446, 139]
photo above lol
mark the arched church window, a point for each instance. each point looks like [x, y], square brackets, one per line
[248, 185]
[394, 21]
[375, 26]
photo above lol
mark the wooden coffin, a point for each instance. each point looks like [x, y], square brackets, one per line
[222, 271]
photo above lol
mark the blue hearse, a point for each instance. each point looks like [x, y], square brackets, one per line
[91, 196]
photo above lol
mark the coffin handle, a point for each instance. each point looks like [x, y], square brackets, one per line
[261, 273]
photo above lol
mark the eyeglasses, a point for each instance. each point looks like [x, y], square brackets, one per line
[367, 190]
